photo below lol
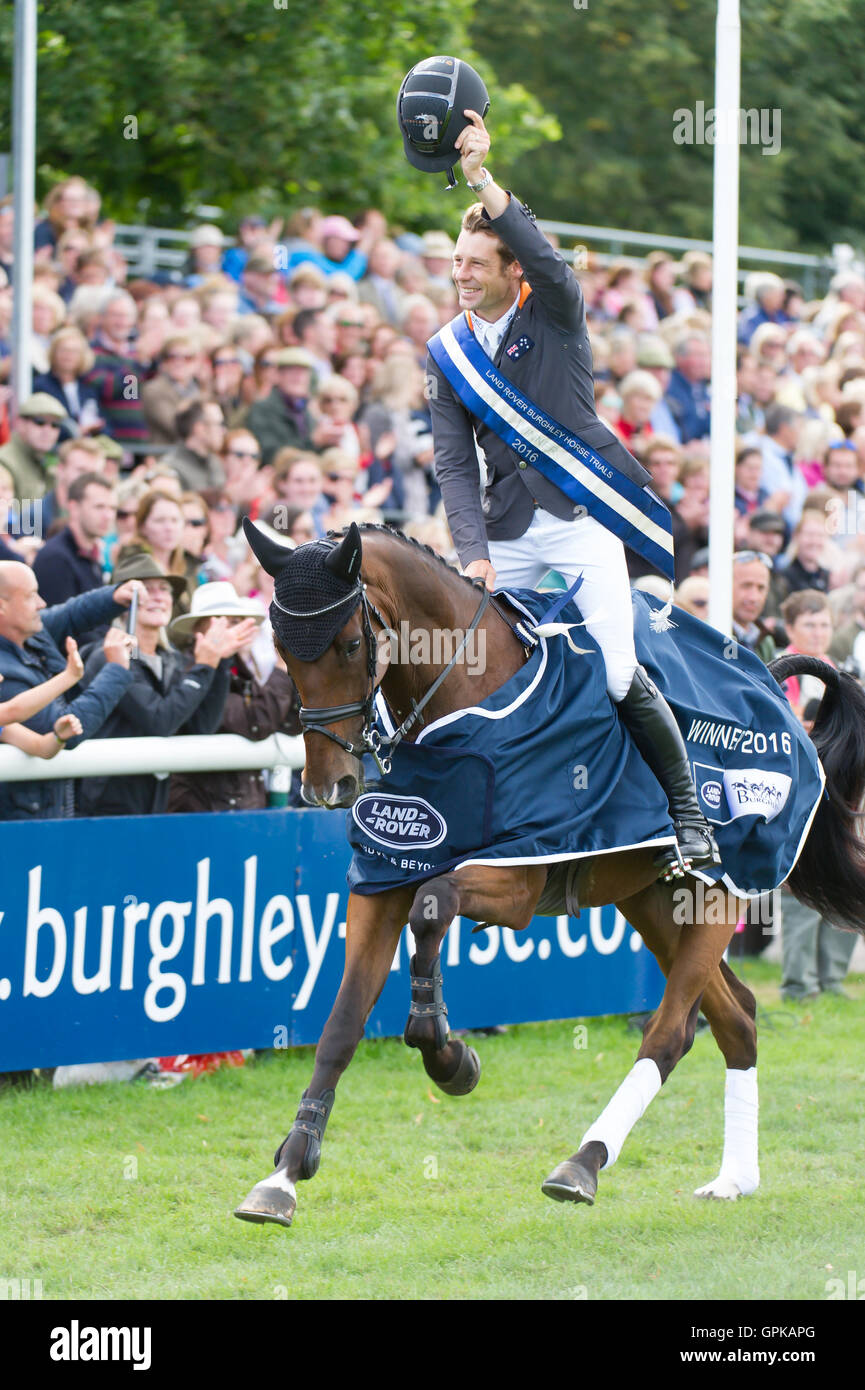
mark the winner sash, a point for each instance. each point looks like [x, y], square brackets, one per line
[631, 512]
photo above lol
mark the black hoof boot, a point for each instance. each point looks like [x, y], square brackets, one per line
[576, 1180]
[467, 1074]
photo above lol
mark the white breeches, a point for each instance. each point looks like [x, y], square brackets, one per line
[572, 548]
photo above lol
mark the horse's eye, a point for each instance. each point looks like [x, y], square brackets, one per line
[352, 647]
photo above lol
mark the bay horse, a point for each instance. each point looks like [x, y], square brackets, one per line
[399, 579]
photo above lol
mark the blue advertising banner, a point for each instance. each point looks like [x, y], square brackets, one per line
[151, 936]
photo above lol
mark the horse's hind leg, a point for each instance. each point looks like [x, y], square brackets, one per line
[730, 1008]
[485, 894]
[689, 958]
[373, 927]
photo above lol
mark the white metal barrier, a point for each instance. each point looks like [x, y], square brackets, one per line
[119, 757]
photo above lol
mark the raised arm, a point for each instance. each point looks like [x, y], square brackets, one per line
[551, 279]
[30, 702]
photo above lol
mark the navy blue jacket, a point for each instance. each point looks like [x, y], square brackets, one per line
[41, 657]
[62, 571]
[48, 382]
[690, 406]
[554, 370]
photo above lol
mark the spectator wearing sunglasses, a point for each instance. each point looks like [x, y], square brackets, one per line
[335, 405]
[174, 386]
[693, 596]
[196, 528]
[265, 370]
[28, 451]
[129, 494]
[247, 484]
[219, 558]
[226, 382]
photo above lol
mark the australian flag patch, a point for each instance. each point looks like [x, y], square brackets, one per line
[519, 347]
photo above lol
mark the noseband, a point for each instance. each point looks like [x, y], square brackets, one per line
[315, 721]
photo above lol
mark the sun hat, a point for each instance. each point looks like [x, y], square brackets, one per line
[218, 599]
[338, 226]
[143, 566]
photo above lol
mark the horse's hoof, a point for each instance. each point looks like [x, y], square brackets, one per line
[723, 1189]
[571, 1182]
[466, 1076]
[273, 1200]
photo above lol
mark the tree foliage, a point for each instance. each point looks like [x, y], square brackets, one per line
[272, 104]
[264, 104]
[615, 72]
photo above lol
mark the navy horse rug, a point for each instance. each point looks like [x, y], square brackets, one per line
[543, 771]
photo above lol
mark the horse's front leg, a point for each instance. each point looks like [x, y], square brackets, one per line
[689, 957]
[373, 926]
[505, 896]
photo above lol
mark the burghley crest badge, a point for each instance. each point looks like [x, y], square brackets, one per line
[399, 822]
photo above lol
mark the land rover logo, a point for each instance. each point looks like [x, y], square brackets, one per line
[711, 794]
[399, 822]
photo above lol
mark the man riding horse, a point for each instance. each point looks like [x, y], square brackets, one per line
[525, 310]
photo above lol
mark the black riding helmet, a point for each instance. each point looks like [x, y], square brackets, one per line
[430, 108]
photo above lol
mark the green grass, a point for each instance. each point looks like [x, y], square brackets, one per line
[373, 1224]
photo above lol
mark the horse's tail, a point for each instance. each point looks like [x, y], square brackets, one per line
[830, 873]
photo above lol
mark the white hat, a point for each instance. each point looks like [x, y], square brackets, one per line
[206, 235]
[219, 599]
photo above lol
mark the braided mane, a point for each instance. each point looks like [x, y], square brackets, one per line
[385, 529]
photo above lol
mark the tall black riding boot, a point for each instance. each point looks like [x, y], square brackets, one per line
[652, 725]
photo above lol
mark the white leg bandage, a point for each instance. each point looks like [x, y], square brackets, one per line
[612, 1128]
[740, 1172]
[740, 1162]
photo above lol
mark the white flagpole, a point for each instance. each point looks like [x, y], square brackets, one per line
[725, 234]
[24, 163]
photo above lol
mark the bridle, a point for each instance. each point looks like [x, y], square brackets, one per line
[381, 746]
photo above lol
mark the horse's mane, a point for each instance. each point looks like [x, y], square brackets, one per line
[384, 529]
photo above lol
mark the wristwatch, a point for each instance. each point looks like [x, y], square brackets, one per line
[479, 187]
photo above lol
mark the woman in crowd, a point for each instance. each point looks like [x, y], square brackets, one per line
[196, 532]
[259, 384]
[70, 358]
[257, 705]
[49, 312]
[247, 484]
[67, 206]
[400, 437]
[664, 298]
[226, 384]
[219, 559]
[168, 694]
[297, 481]
[334, 406]
[159, 530]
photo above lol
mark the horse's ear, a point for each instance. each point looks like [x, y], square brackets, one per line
[345, 561]
[272, 556]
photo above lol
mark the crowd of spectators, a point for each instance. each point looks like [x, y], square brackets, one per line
[281, 378]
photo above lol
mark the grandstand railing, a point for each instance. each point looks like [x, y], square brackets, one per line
[153, 250]
[124, 757]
